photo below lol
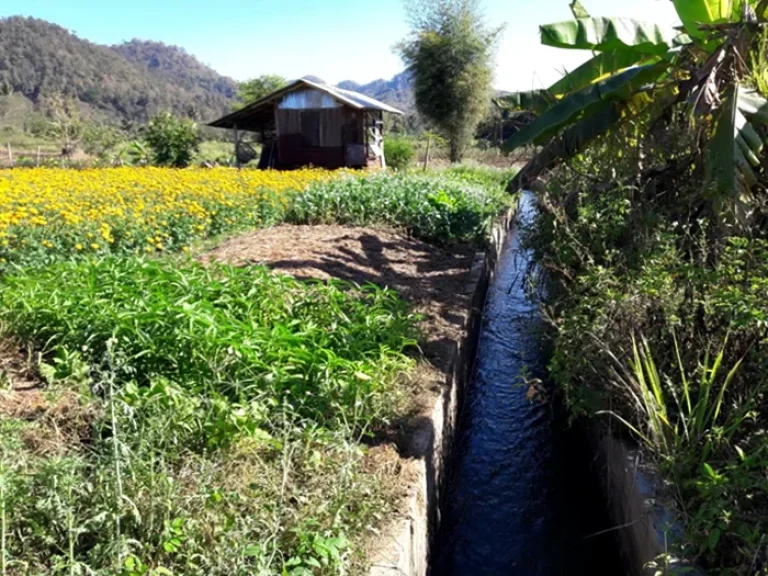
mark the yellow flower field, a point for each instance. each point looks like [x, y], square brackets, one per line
[47, 212]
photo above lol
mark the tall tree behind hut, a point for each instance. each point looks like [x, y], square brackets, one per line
[256, 88]
[449, 54]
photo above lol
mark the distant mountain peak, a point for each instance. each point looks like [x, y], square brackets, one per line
[397, 92]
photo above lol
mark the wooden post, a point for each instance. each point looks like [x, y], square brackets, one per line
[10, 155]
[38, 157]
[236, 136]
[426, 156]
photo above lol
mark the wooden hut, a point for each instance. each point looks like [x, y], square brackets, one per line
[309, 123]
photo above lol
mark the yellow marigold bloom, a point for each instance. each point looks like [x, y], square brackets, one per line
[123, 206]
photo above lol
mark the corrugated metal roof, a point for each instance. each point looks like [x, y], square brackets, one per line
[348, 97]
[355, 99]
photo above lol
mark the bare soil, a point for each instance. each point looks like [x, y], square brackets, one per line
[59, 419]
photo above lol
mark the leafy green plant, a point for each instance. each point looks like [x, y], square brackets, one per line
[239, 332]
[436, 208]
[174, 141]
[224, 411]
[398, 152]
[680, 417]
[642, 70]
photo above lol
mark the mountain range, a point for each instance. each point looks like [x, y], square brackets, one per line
[131, 81]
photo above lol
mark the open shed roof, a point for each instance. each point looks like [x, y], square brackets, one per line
[259, 111]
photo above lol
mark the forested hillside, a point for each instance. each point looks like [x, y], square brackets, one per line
[176, 65]
[129, 82]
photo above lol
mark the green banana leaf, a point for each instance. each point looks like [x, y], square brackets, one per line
[535, 101]
[735, 148]
[590, 100]
[695, 12]
[578, 10]
[596, 67]
[570, 143]
[602, 34]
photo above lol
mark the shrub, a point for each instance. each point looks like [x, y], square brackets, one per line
[398, 152]
[173, 141]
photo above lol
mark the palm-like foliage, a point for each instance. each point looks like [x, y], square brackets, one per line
[641, 69]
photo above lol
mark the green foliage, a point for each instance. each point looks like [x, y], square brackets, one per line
[602, 34]
[449, 56]
[441, 209]
[145, 499]
[174, 141]
[223, 434]
[241, 333]
[398, 152]
[488, 176]
[603, 93]
[256, 88]
[623, 260]
[734, 150]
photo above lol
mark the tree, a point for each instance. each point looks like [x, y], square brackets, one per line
[712, 75]
[449, 55]
[256, 88]
[173, 140]
[63, 121]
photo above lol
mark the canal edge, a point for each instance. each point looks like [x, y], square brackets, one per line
[405, 544]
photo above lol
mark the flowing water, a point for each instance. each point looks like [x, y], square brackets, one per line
[521, 497]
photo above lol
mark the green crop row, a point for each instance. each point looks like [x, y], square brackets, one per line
[443, 208]
[217, 425]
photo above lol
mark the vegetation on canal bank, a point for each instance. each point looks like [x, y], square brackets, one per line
[653, 244]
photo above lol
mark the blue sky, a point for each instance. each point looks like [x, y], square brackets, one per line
[333, 39]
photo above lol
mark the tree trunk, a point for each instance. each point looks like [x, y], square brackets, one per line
[455, 151]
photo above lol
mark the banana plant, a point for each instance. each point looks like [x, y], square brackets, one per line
[639, 68]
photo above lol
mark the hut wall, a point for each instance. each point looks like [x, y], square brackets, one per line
[317, 136]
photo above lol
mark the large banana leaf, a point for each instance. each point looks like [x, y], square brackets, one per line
[602, 34]
[570, 143]
[695, 12]
[535, 101]
[736, 145]
[578, 10]
[596, 68]
[621, 86]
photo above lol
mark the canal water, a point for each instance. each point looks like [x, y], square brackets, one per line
[522, 498]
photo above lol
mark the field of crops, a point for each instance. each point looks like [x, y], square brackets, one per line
[163, 417]
[46, 212]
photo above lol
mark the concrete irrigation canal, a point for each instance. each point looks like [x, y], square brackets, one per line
[521, 497]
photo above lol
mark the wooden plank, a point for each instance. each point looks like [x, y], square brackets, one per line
[237, 160]
[280, 155]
